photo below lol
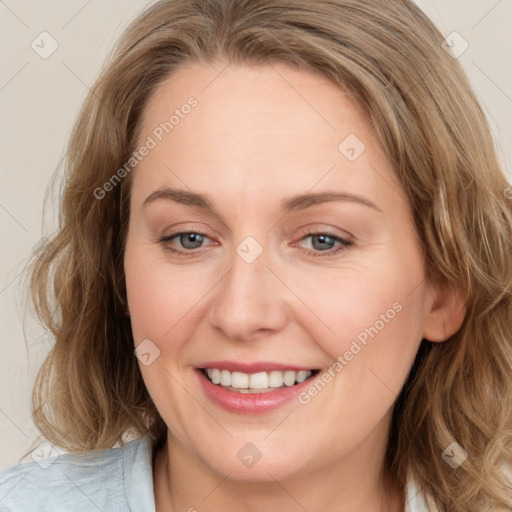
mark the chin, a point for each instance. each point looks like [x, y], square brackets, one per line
[256, 462]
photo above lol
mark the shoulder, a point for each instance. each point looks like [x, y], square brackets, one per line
[117, 479]
[417, 499]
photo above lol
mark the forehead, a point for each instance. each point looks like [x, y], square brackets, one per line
[255, 129]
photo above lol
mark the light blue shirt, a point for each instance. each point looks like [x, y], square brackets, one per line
[115, 480]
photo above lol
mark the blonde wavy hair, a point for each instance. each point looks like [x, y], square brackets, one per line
[387, 54]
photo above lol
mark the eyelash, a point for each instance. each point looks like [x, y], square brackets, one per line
[344, 243]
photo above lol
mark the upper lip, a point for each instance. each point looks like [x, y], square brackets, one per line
[252, 367]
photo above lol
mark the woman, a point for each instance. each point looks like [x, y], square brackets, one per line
[294, 213]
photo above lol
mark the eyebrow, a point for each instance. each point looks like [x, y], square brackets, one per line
[294, 203]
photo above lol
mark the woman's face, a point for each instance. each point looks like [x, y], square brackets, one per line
[299, 255]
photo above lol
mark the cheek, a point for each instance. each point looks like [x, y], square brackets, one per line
[364, 314]
[378, 299]
[369, 321]
[160, 296]
[161, 304]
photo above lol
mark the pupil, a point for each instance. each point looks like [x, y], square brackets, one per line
[324, 239]
[189, 239]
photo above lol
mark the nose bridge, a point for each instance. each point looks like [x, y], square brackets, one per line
[249, 300]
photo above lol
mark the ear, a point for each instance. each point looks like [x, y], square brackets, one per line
[447, 312]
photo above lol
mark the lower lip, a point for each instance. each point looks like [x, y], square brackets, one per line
[250, 403]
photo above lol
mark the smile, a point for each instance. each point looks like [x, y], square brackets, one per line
[259, 388]
[260, 382]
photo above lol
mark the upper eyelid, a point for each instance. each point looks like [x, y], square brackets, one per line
[316, 230]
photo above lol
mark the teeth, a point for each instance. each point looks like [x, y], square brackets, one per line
[240, 380]
[275, 379]
[225, 378]
[302, 375]
[289, 378]
[215, 376]
[260, 380]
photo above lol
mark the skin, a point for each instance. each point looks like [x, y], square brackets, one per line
[258, 136]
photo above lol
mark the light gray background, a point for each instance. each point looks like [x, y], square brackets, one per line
[40, 98]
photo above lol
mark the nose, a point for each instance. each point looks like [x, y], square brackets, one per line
[249, 302]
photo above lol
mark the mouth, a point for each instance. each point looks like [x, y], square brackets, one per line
[259, 382]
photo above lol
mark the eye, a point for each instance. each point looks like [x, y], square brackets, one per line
[324, 244]
[188, 240]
